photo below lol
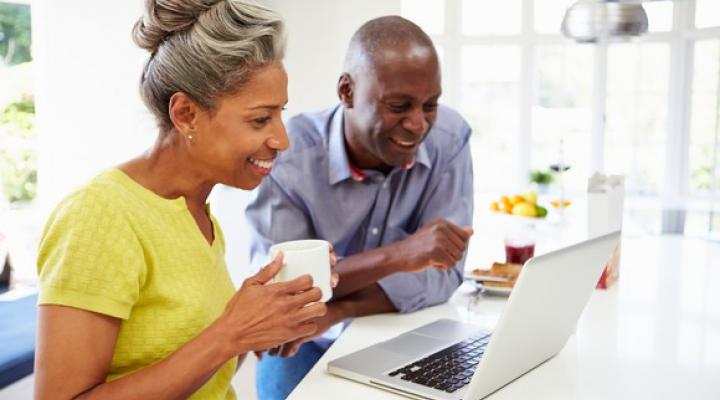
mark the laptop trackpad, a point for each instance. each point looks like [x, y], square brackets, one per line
[413, 345]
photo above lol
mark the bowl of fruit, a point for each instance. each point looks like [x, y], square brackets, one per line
[521, 205]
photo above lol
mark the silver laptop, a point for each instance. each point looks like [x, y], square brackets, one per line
[451, 360]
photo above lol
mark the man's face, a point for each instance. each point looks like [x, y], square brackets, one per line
[394, 105]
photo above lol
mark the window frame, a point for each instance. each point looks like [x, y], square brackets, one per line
[675, 197]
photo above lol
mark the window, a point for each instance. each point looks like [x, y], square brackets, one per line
[18, 148]
[549, 15]
[561, 110]
[489, 99]
[620, 107]
[704, 168]
[704, 182]
[491, 17]
[429, 14]
[707, 13]
[660, 15]
[636, 117]
[17, 109]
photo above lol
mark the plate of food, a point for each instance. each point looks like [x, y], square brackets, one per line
[499, 279]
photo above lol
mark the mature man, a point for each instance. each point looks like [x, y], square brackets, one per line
[386, 177]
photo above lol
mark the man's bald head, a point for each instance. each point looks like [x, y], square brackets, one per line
[389, 91]
[383, 40]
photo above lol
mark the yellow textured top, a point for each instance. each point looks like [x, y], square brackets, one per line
[118, 249]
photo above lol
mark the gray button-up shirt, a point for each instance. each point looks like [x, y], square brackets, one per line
[311, 194]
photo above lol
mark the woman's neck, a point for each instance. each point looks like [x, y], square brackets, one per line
[168, 170]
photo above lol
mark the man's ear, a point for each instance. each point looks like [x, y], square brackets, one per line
[183, 113]
[345, 87]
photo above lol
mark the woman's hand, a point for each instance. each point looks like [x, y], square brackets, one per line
[323, 324]
[262, 316]
[334, 316]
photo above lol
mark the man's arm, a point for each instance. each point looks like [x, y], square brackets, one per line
[425, 267]
[451, 199]
[440, 245]
[367, 301]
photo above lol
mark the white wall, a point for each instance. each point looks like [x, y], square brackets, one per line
[90, 115]
[318, 34]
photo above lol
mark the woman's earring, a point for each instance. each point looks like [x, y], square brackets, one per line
[189, 137]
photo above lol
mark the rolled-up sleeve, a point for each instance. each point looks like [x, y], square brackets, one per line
[452, 199]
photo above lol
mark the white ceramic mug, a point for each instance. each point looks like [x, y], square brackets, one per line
[301, 257]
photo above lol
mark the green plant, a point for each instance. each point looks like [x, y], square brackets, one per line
[15, 33]
[18, 162]
[541, 177]
[19, 175]
[17, 120]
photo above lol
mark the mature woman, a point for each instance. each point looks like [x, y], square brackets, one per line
[135, 298]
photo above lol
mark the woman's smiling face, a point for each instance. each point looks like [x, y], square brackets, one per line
[235, 144]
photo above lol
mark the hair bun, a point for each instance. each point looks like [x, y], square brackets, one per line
[165, 17]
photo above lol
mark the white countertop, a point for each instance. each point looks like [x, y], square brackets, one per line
[654, 335]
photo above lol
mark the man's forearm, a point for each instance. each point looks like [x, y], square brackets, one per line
[367, 301]
[364, 269]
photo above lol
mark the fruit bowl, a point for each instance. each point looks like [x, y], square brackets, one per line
[520, 205]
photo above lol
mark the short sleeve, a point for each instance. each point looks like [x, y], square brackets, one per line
[90, 257]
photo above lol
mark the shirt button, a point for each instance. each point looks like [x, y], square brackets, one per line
[374, 231]
[385, 185]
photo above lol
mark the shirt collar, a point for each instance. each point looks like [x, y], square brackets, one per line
[358, 175]
[339, 162]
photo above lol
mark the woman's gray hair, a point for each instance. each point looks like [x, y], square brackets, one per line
[204, 48]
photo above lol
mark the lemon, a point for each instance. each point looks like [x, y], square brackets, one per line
[524, 209]
[531, 197]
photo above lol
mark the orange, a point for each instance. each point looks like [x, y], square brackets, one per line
[556, 203]
[517, 199]
[507, 205]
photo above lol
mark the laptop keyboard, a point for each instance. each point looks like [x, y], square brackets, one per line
[450, 368]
